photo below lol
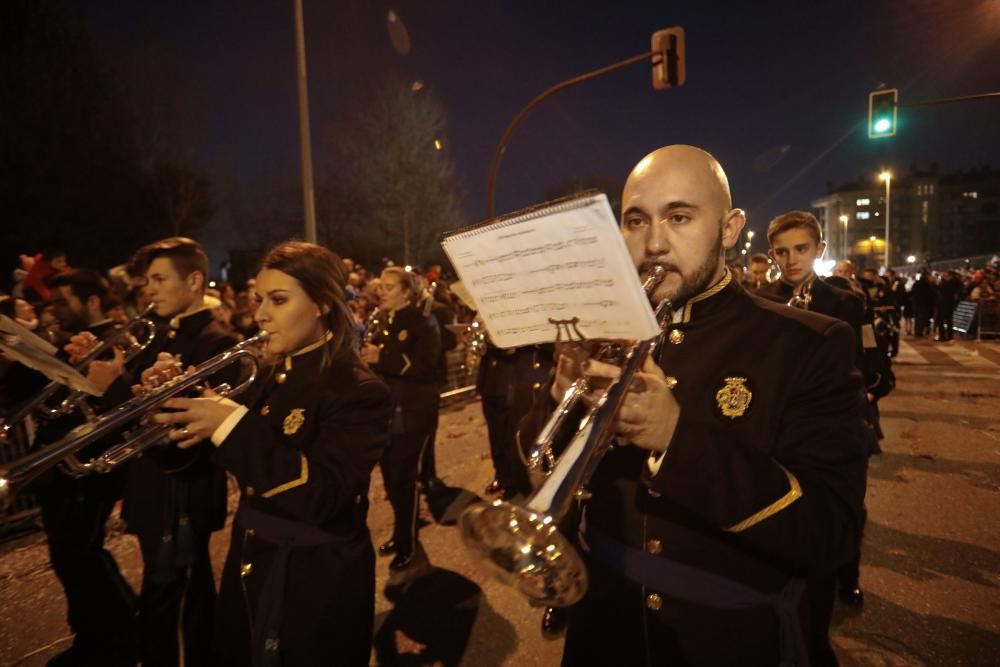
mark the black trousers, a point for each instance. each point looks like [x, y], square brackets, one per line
[101, 605]
[409, 434]
[428, 460]
[501, 424]
[942, 322]
[176, 606]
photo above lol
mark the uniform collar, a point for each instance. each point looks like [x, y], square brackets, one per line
[312, 347]
[704, 303]
[178, 320]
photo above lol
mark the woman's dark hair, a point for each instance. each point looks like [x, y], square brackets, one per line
[320, 273]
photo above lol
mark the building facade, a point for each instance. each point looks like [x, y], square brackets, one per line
[933, 216]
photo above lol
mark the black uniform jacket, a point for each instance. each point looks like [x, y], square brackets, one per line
[826, 300]
[762, 482]
[167, 482]
[409, 349]
[304, 454]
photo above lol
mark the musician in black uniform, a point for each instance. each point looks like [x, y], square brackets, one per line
[175, 499]
[404, 351]
[100, 604]
[715, 529]
[298, 587]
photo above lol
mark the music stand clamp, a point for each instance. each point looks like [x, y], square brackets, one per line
[572, 331]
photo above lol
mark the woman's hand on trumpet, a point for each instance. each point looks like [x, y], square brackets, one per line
[196, 418]
[649, 413]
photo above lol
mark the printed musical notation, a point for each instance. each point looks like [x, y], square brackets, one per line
[565, 260]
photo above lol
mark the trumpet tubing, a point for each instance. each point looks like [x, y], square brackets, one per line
[16, 475]
[522, 545]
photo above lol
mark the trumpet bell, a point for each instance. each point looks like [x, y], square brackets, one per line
[524, 549]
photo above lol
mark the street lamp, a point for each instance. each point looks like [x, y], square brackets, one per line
[886, 176]
[843, 237]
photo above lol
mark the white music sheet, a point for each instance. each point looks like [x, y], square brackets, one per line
[560, 261]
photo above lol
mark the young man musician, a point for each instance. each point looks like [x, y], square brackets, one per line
[100, 604]
[175, 499]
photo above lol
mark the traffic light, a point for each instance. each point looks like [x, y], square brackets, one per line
[669, 64]
[882, 113]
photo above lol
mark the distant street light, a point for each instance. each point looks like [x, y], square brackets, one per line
[886, 176]
[911, 259]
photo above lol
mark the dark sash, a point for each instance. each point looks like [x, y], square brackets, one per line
[690, 584]
[286, 535]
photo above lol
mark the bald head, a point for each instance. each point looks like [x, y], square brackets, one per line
[696, 170]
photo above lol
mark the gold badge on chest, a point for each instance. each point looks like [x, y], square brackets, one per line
[734, 397]
[293, 422]
[403, 335]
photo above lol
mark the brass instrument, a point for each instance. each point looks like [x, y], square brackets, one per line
[16, 475]
[476, 339]
[521, 545]
[371, 325]
[802, 295]
[38, 404]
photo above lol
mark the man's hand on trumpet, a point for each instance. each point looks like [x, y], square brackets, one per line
[649, 413]
[166, 367]
[197, 418]
[80, 345]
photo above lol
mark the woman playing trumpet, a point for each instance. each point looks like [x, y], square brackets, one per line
[302, 452]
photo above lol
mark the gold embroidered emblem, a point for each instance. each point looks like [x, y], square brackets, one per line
[734, 398]
[293, 422]
[403, 335]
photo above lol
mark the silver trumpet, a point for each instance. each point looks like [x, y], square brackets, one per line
[16, 475]
[521, 545]
[136, 336]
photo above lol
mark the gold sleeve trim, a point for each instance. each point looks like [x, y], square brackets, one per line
[406, 360]
[793, 494]
[303, 478]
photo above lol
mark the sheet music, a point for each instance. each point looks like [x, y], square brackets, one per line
[563, 261]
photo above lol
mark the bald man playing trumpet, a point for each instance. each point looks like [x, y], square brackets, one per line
[715, 528]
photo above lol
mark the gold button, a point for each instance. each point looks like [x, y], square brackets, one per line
[250, 491]
[671, 382]
[357, 500]
[654, 601]
[537, 365]
[654, 547]
[281, 378]
[266, 410]
[676, 336]
[385, 332]
[251, 532]
[653, 493]
[493, 362]
[537, 385]
[271, 645]
[246, 569]
[172, 334]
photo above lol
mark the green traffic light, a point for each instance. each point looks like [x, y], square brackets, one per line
[882, 125]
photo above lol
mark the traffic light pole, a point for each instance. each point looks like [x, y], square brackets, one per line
[523, 113]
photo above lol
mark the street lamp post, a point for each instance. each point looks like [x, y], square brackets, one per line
[304, 140]
[843, 236]
[886, 176]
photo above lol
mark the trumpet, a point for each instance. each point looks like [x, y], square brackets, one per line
[16, 475]
[522, 545]
[802, 296]
[38, 404]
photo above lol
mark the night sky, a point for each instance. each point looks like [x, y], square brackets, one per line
[776, 90]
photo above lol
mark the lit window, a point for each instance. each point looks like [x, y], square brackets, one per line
[862, 215]
[930, 189]
[971, 195]
[863, 202]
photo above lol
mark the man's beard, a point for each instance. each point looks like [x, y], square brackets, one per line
[695, 283]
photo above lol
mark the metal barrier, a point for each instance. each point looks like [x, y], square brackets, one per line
[461, 378]
[989, 319]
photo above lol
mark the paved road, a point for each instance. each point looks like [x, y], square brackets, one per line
[931, 567]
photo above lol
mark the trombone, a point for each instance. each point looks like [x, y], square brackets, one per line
[521, 545]
[16, 475]
[38, 404]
